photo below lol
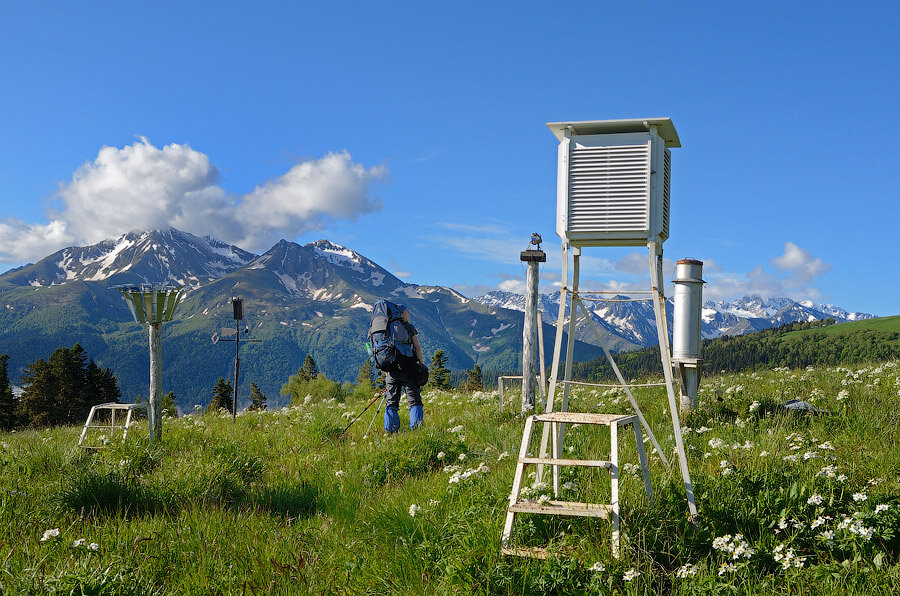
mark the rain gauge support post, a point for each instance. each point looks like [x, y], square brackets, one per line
[152, 306]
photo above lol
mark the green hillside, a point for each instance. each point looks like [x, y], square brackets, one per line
[794, 345]
[881, 324]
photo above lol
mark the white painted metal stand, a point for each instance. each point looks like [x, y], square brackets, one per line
[658, 297]
[113, 407]
[568, 508]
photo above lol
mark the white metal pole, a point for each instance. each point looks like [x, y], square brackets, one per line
[543, 373]
[659, 307]
[557, 351]
[559, 430]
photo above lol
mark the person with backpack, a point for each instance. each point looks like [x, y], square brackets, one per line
[394, 348]
[404, 378]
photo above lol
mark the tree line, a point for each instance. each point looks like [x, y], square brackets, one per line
[59, 390]
[765, 349]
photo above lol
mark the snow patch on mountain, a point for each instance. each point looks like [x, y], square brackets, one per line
[339, 255]
[635, 322]
[407, 291]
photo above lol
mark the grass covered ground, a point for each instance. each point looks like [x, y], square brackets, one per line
[275, 504]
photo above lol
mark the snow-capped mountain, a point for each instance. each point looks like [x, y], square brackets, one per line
[622, 327]
[634, 321]
[298, 300]
[155, 256]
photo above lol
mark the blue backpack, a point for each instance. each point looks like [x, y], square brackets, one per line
[389, 341]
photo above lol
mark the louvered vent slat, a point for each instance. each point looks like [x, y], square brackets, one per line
[609, 188]
[667, 176]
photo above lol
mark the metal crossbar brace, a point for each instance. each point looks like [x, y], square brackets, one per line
[662, 329]
[624, 385]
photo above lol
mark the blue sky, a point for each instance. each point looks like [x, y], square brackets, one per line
[414, 133]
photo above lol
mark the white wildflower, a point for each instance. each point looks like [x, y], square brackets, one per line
[815, 499]
[687, 570]
[859, 497]
[503, 455]
[414, 509]
[339, 474]
[48, 534]
[597, 567]
[630, 575]
[881, 507]
[727, 568]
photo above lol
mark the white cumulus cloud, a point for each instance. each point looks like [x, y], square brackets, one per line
[797, 273]
[800, 263]
[141, 186]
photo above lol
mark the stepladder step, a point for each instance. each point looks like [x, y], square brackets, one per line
[569, 508]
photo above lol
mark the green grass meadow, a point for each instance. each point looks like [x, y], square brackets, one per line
[277, 503]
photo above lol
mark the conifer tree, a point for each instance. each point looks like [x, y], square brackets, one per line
[221, 397]
[8, 402]
[309, 370]
[439, 373]
[62, 390]
[257, 398]
[473, 381]
[365, 373]
[168, 405]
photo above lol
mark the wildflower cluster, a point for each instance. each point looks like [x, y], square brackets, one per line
[855, 526]
[787, 557]
[735, 545]
[458, 476]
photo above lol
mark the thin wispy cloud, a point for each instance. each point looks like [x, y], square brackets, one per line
[141, 187]
[428, 157]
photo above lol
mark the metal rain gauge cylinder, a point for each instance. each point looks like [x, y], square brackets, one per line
[153, 305]
[686, 333]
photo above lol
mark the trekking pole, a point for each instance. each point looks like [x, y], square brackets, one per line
[369, 405]
[378, 409]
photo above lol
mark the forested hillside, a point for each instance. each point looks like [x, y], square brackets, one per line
[794, 345]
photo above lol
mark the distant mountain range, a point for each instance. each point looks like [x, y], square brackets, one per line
[313, 299]
[634, 325]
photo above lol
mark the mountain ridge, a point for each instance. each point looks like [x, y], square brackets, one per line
[298, 299]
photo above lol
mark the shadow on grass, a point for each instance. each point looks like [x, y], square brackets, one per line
[113, 494]
[288, 500]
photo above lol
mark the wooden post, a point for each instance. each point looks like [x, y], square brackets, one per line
[155, 398]
[529, 329]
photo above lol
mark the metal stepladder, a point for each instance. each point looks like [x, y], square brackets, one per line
[554, 432]
[113, 407]
[554, 507]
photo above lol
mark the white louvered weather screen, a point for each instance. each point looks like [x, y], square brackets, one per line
[613, 181]
[609, 188]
